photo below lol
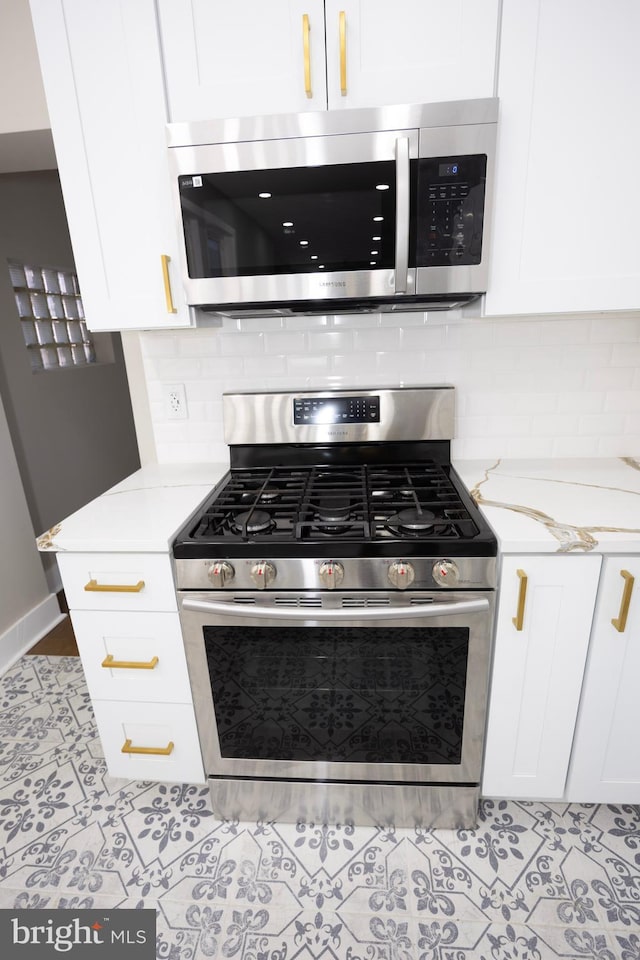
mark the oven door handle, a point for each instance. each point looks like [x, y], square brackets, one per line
[481, 605]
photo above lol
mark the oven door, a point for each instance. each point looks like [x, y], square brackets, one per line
[345, 687]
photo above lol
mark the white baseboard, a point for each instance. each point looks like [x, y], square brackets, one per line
[35, 625]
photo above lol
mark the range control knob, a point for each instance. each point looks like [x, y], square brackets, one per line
[401, 574]
[331, 574]
[446, 573]
[220, 573]
[263, 573]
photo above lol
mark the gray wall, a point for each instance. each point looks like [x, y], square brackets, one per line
[72, 429]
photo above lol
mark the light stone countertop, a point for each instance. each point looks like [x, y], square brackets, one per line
[141, 514]
[558, 505]
[534, 506]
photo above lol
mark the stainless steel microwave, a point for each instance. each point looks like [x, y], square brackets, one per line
[377, 210]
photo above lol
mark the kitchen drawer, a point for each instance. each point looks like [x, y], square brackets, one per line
[118, 581]
[150, 726]
[151, 642]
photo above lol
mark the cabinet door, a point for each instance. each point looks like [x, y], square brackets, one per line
[103, 80]
[242, 59]
[537, 673]
[150, 741]
[605, 764]
[565, 203]
[410, 51]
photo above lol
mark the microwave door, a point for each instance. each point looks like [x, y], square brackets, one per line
[331, 224]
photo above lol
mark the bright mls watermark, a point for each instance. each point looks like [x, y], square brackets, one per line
[38, 934]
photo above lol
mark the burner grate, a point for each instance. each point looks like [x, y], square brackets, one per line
[361, 503]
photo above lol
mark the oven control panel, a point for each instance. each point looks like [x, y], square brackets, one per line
[333, 410]
[331, 573]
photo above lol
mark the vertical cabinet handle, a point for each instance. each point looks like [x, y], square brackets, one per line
[518, 620]
[620, 622]
[306, 29]
[167, 283]
[343, 53]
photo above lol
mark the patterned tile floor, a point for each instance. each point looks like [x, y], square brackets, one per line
[535, 880]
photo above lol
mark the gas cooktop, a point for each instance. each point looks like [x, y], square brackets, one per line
[363, 510]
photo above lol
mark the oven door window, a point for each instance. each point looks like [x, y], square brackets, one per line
[339, 694]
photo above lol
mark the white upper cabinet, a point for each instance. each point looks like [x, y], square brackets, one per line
[565, 203]
[249, 57]
[103, 80]
[243, 58]
[410, 51]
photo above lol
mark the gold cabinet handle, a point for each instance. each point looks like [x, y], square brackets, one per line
[156, 751]
[94, 587]
[343, 53]
[620, 622]
[306, 28]
[518, 620]
[112, 664]
[167, 283]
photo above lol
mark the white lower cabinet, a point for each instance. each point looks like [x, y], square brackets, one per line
[605, 764]
[149, 741]
[543, 624]
[124, 614]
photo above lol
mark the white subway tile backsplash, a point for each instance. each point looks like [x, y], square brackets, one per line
[625, 329]
[331, 341]
[619, 445]
[555, 424]
[526, 387]
[245, 344]
[626, 354]
[284, 343]
[602, 424]
[261, 369]
[378, 339]
[623, 401]
[307, 366]
[581, 401]
[575, 447]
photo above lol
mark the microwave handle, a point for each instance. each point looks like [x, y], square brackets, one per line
[481, 605]
[402, 215]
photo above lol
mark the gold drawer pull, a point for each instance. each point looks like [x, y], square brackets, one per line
[518, 620]
[306, 27]
[620, 622]
[94, 587]
[156, 751]
[167, 283]
[342, 21]
[111, 664]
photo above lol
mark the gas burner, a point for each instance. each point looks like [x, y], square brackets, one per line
[269, 495]
[332, 516]
[252, 522]
[413, 521]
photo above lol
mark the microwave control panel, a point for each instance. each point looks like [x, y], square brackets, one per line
[451, 193]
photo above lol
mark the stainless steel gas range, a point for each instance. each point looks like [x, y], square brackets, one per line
[336, 594]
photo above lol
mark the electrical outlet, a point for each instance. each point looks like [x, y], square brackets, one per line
[175, 401]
